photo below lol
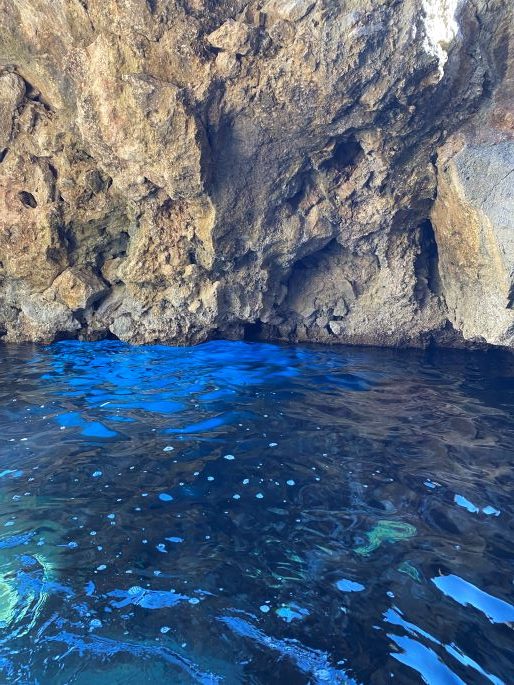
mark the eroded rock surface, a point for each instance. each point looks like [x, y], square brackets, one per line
[175, 170]
[473, 216]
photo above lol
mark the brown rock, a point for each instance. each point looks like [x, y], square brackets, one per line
[307, 169]
[78, 289]
[12, 91]
[234, 37]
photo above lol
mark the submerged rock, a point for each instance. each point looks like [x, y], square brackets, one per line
[178, 170]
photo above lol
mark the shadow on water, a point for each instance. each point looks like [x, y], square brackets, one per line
[254, 513]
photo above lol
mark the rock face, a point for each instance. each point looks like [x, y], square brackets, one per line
[325, 170]
[474, 217]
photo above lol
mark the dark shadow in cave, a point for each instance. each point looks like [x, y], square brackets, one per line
[347, 154]
[27, 199]
[427, 261]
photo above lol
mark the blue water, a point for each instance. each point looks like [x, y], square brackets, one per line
[252, 513]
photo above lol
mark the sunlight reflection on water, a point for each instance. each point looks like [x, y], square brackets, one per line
[254, 513]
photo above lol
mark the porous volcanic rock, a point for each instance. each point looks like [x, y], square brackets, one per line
[314, 170]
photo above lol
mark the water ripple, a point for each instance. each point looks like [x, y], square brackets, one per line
[254, 513]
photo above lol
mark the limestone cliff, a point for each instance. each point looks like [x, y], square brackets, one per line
[326, 170]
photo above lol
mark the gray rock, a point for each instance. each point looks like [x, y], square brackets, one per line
[291, 10]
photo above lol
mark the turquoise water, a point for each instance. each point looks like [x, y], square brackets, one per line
[253, 513]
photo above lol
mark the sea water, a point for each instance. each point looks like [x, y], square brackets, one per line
[254, 513]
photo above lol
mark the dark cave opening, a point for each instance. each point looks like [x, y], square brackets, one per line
[346, 154]
[109, 335]
[253, 330]
[427, 261]
[27, 199]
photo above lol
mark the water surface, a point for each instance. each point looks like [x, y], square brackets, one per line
[252, 513]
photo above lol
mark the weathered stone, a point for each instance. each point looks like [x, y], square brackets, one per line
[291, 10]
[78, 288]
[234, 37]
[297, 169]
[12, 91]
[473, 218]
[474, 221]
[41, 320]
